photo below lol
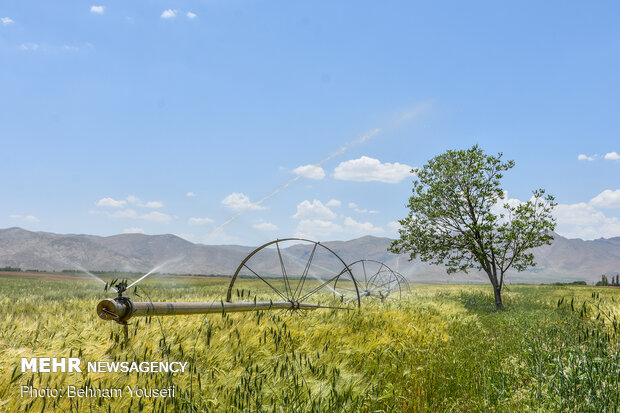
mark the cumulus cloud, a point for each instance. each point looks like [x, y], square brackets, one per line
[584, 157]
[364, 228]
[6, 20]
[607, 199]
[394, 226]
[110, 202]
[310, 171]
[97, 9]
[129, 213]
[190, 194]
[156, 216]
[149, 204]
[582, 220]
[133, 230]
[191, 15]
[240, 202]
[367, 169]
[199, 221]
[315, 229]
[313, 210]
[352, 205]
[265, 226]
[612, 156]
[333, 203]
[168, 14]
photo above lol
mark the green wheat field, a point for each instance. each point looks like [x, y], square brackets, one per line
[441, 348]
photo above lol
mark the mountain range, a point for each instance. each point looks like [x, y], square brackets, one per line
[563, 260]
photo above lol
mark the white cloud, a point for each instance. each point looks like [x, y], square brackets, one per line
[583, 157]
[156, 216]
[365, 211]
[124, 213]
[129, 213]
[313, 210]
[152, 204]
[168, 14]
[607, 199]
[27, 218]
[265, 226]
[612, 156]
[310, 171]
[110, 202]
[133, 230]
[97, 9]
[316, 228]
[394, 226]
[367, 169]
[356, 208]
[29, 46]
[240, 202]
[333, 203]
[6, 20]
[191, 15]
[584, 221]
[364, 228]
[149, 204]
[190, 194]
[199, 221]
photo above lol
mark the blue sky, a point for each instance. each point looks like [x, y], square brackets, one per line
[238, 122]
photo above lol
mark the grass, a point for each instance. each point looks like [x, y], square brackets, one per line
[441, 348]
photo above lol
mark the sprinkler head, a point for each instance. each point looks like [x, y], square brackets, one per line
[118, 309]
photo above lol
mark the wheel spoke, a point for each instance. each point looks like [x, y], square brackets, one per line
[304, 275]
[286, 282]
[335, 277]
[365, 277]
[267, 282]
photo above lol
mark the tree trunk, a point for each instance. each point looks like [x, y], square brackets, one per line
[498, 297]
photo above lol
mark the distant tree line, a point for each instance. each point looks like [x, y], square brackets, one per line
[571, 283]
[615, 281]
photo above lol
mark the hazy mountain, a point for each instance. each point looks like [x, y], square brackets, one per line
[564, 260]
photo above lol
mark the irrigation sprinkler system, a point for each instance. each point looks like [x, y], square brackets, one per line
[296, 274]
[377, 280]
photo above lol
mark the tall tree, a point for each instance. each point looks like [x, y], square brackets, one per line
[459, 218]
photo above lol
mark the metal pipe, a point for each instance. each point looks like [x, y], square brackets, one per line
[121, 309]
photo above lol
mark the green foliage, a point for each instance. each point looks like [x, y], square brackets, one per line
[456, 217]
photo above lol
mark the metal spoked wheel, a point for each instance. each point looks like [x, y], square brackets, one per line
[377, 280]
[304, 273]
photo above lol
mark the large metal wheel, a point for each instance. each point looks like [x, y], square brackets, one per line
[377, 280]
[295, 270]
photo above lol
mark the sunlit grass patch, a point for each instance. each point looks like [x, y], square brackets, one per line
[440, 348]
